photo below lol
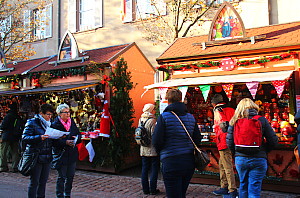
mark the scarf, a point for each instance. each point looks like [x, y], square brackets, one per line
[45, 123]
[67, 124]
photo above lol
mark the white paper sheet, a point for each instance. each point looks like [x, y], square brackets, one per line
[54, 133]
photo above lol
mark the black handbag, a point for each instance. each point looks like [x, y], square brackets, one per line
[57, 161]
[201, 157]
[28, 162]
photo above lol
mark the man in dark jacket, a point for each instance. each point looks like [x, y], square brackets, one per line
[12, 131]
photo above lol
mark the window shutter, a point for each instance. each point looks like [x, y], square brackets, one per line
[72, 16]
[99, 13]
[49, 18]
[127, 11]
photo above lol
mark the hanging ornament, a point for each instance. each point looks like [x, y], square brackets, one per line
[228, 88]
[205, 90]
[279, 86]
[183, 90]
[227, 64]
[105, 121]
[252, 86]
[218, 89]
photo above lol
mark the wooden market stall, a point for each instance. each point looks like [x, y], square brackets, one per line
[90, 82]
[258, 63]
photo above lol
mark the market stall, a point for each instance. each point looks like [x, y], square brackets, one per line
[259, 63]
[102, 88]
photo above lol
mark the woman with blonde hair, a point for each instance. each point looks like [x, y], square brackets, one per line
[251, 166]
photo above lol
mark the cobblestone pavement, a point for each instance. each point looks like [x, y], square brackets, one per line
[94, 184]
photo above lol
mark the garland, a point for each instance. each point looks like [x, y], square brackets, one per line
[260, 61]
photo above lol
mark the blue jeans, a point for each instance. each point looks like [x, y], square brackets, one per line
[177, 172]
[251, 173]
[150, 164]
[38, 180]
[65, 180]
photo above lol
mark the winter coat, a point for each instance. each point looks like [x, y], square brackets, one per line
[169, 137]
[297, 120]
[71, 153]
[226, 114]
[7, 126]
[150, 124]
[33, 141]
[268, 134]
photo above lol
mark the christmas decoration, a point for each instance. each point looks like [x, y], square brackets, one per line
[205, 90]
[162, 92]
[183, 90]
[228, 89]
[105, 121]
[279, 86]
[227, 64]
[83, 153]
[252, 86]
[90, 149]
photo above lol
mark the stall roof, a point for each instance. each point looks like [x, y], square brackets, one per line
[237, 78]
[278, 37]
[50, 89]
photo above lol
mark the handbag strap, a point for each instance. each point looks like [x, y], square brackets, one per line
[186, 131]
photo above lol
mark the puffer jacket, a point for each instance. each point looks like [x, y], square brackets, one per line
[268, 134]
[226, 114]
[169, 137]
[71, 153]
[150, 124]
[32, 138]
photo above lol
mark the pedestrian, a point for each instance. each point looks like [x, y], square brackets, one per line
[12, 126]
[67, 145]
[251, 166]
[222, 115]
[35, 139]
[150, 159]
[174, 145]
[297, 120]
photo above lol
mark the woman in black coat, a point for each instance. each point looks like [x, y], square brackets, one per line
[34, 138]
[67, 145]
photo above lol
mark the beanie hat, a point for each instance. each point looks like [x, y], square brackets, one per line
[217, 99]
[148, 108]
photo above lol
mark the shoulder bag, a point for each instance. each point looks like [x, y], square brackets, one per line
[28, 162]
[201, 157]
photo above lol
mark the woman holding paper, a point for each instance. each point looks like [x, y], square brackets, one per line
[35, 139]
[65, 150]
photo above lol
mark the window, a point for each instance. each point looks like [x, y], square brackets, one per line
[42, 20]
[5, 25]
[85, 14]
[143, 9]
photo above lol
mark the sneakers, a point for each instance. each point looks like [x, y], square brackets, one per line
[234, 194]
[221, 191]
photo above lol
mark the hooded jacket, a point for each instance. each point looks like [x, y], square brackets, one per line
[268, 134]
[169, 137]
[7, 126]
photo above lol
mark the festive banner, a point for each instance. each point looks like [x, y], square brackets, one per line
[162, 92]
[228, 88]
[252, 86]
[183, 91]
[279, 86]
[205, 90]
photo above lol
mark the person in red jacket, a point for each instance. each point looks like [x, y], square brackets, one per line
[222, 115]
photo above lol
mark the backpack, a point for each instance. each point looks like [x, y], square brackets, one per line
[248, 135]
[142, 135]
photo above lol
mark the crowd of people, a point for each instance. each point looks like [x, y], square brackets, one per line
[176, 152]
[170, 150]
[34, 139]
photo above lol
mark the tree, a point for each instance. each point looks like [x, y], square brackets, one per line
[16, 35]
[180, 21]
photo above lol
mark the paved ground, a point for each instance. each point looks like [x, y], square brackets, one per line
[94, 184]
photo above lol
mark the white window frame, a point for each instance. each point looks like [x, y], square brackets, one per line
[44, 30]
[92, 20]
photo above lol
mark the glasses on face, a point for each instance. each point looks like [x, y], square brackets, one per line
[65, 112]
[49, 114]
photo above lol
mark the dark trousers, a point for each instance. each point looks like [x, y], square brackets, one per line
[65, 180]
[38, 180]
[150, 164]
[15, 154]
[177, 172]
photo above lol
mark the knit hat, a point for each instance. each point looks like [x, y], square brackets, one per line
[148, 107]
[217, 99]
